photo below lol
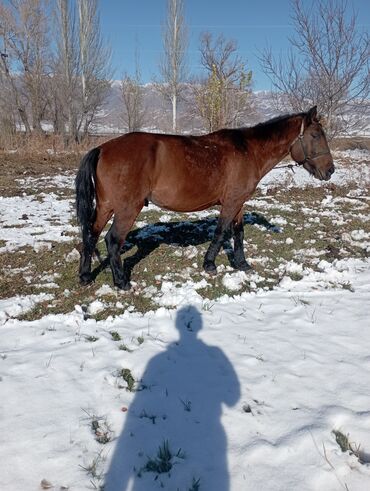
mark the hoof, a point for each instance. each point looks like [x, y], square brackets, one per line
[210, 267]
[123, 285]
[243, 266]
[86, 279]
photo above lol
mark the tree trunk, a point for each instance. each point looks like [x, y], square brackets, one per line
[174, 112]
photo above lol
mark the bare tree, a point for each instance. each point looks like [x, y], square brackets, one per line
[13, 101]
[95, 58]
[328, 64]
[223, 97]
[65, 81]
[134, 110]
[173, 66]
[65, 70]
[8, 111]
[26, 57]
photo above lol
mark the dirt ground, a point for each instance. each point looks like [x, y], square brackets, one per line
[15, 166]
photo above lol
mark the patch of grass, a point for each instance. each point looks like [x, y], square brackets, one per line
[301, 301]
[20, 225]
[126, 374]
[195, 485]
[36, 312]
[347, 446]
[115, 336]
[162, 463]
[342, 440]
[95, 469]
[216, 289]
[124, 347]
[102, 431]
[91, 339]
[295, 276]
[100, 427]
[151, 417]
[187, 405]
[347, 286]
[140, 340]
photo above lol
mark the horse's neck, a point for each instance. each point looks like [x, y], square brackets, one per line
[276, 144]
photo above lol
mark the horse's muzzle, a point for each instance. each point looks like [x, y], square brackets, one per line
[329, 172]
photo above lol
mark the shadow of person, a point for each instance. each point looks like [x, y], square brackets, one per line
[173, 437]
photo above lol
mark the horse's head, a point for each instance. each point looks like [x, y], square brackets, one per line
[311, 149]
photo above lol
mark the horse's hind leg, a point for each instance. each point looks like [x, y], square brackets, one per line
[89, 241]
[114, 240]
[223, 230]
[238, 234]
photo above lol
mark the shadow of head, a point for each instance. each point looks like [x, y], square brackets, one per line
[188, 319]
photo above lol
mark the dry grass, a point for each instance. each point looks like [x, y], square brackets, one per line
[45, 144]
[17, 166]
[351, 143]
[37, 156]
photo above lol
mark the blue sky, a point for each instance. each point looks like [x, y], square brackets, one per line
[136, 25]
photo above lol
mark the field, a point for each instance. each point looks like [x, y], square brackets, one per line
[187, 382]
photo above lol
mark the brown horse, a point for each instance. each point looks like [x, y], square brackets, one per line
[186, 174]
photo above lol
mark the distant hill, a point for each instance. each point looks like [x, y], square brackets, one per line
[110, 120]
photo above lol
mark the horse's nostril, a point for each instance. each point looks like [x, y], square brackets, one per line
[330, 172]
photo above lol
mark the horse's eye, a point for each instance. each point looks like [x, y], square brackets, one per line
[315, 135]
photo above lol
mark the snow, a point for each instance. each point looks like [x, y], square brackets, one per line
[34, 221]
[359, 172]
[246, 390]
[16, 306]
[172, 294]
[298, 359]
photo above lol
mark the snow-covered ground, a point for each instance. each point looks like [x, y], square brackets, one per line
[240, 393]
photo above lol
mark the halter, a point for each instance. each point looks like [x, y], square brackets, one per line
[306, 157]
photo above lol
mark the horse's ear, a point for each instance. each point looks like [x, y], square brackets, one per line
[312, 115]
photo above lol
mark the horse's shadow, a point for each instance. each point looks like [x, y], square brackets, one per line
[182, 234]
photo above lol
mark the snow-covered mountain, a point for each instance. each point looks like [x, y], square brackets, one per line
[158, 111]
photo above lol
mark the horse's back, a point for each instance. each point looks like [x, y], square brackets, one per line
[128, 149]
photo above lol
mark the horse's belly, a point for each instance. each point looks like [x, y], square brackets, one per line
[174, 202]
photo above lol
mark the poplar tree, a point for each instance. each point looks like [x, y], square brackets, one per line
[173, 64]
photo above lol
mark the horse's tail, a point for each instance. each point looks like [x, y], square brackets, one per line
[85, 191]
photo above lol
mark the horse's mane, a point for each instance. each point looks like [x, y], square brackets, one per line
[271, 127]
[258, 126]
[260, 130]
[276, 119]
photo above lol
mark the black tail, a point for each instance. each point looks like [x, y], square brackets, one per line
[85, 191]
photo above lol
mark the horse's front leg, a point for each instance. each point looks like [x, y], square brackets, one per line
[223, 232]
[238, 234]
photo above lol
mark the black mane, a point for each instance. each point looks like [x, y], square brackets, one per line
[276, 119]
